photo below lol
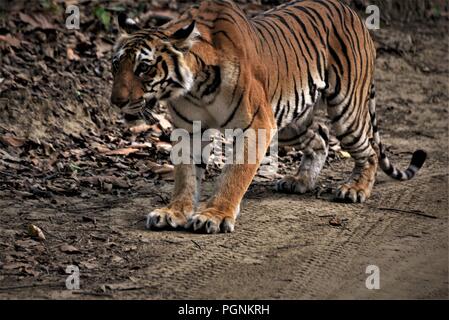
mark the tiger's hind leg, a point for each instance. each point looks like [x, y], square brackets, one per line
[314, 144]
[360, 184]
[354, 130]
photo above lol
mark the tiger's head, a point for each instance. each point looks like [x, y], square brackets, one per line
[149, 66]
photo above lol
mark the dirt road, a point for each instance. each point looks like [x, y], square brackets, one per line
[284, 246]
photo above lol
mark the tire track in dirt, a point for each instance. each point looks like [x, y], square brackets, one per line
[329, 258]
[196, 267]
[318, 276]
[409, 240]
[185, 271]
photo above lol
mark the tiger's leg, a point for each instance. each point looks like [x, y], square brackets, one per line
[220, 212]
[314, 144]
[181, 206]
[186, 194]
[315, 150]
[354, 133]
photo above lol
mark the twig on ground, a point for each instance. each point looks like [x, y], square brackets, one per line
[34, 285]
[92, 293]
[197, 244]
[416, 212]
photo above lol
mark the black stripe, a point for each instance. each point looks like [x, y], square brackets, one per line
[252, 120]
[311, 17]
[225, 34]
[165, 68]
[176, 67]
[389, 171]
[337, 88]
[317, 15]
[231, 117]
[275, 40]
[273, 56]
[179, 115]
[312, 43]
[292, 139]
[323, 134]
[312, 87]
[278, 107]
[215, 83]
[295, 113]
[299, 44]
[303, 31]
[281, 116]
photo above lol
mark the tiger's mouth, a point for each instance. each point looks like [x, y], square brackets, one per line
[140, 110]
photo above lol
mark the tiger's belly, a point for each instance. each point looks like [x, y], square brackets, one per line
[290, 127]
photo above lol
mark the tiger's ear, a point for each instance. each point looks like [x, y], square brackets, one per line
[185, 37]
[127, 25]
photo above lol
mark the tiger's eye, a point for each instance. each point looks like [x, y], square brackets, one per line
[142, 68]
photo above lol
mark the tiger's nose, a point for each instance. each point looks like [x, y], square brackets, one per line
[119, 101]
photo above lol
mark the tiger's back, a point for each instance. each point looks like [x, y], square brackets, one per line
[317, 55]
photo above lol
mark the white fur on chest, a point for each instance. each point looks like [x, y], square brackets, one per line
[212, 111]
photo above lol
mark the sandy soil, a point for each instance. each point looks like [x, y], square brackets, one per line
[284, 246]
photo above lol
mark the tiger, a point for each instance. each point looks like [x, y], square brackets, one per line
[216, 65]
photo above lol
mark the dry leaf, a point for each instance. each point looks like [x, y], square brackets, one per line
[130, 248]
[78, 152]
[30, 271]
[12, 41]
[122, 286]
[145, 145]
[165, 171]
[162, 121]
[71, 2]
[67, 248]
[162, 146]
[102, 48]
[345, 155]
[5, 155]
[83, 38]
[335, 222]
[38, 20]
[12, 141]
[88, 265]
[36, 232]
[71, 55]
[100, 148]
[160, 169]
[122, 152]
[15, 265]
[116, 259]
[140, 128]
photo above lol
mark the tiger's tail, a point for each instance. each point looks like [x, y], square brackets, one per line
[418, 158]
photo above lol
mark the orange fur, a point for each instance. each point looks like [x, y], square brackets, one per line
[219, 67]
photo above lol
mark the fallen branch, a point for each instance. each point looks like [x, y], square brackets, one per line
[92, 293]
[34, 285]
[197, 244]
[415, 212]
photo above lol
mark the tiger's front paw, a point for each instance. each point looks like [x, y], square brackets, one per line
[212, 221]
[168, 217]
